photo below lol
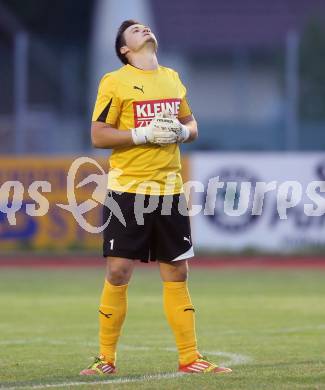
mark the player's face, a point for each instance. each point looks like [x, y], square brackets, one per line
[137, 36]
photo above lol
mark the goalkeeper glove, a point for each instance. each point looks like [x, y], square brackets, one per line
[182, 132]
[161, 131]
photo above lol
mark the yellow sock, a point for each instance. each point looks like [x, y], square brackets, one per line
[180, 315]
[112, 311]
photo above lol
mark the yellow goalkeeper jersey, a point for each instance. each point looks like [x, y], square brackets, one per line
[130, 97]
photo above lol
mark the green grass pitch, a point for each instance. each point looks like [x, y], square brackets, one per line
[268, 325]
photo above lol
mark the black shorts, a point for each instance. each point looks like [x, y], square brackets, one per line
[147, 227]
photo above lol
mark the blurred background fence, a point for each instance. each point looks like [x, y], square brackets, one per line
[254, 72]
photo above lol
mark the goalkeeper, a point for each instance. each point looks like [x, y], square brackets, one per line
[142, 114]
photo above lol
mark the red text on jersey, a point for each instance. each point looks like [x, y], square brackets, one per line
[145, 111]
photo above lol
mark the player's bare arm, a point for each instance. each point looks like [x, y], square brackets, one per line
[161, 131]
[105, 136]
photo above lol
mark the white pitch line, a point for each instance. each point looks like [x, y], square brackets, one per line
[234, 358]
[143, 378]
[297, 329]
[33, 341]
[274, 330]
[95, 343]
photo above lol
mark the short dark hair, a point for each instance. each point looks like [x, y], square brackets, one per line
[120, 40]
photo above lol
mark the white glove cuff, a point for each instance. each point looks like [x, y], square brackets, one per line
[139, 135]
[185, 133]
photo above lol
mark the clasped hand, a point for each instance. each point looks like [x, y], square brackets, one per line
[163, 130]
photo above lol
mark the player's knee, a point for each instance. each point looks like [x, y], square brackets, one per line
[178, 273]
[118, 275]
[181, 275]
[181, 271]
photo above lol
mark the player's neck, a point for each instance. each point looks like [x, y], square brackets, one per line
[145, 60]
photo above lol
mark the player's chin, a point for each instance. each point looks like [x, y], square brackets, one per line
[151, 39]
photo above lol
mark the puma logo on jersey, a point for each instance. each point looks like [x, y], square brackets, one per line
[140, 89]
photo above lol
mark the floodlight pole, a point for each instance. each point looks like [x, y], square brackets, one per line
[292, 90]
[20, 89]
